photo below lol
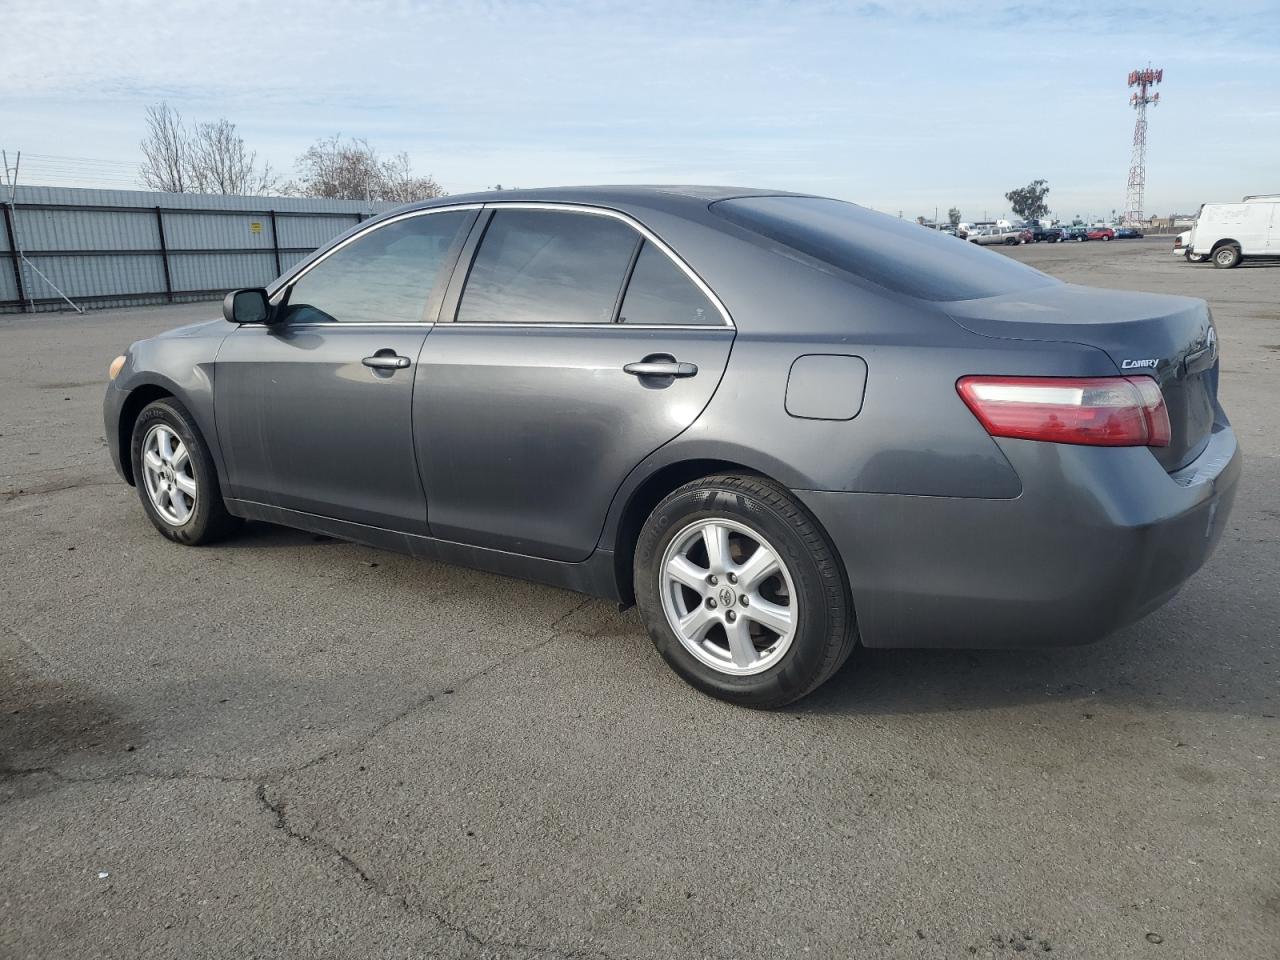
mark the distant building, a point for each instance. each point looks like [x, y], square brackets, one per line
[1176, 220]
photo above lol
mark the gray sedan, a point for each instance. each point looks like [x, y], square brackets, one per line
[781, 425]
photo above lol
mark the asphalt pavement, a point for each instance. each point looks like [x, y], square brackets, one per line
[288, 746]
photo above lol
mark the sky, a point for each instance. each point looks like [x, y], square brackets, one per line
[901, 106]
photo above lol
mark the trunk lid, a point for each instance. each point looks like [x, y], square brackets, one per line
[1169, 338]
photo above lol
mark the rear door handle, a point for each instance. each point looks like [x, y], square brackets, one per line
[386, 361]
[661, 368]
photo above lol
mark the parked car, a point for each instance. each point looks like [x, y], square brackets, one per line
[1128, 233]
[1077, 232]
[779, 424]
[1045, 234]
[1229, 233]
[1182, 248]
[1101, 233]
[986, 236]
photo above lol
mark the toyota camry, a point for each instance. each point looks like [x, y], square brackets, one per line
[780, 425]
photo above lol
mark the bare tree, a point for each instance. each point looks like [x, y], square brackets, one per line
[220, 162]
[399, 183]
[167, 149]
[335, 169]
[206, 158]
[352, 170]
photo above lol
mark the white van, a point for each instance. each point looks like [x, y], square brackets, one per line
[1230, 232]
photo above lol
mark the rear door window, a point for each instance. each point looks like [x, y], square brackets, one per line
[548, 266]
[882, 250]
[660, 293]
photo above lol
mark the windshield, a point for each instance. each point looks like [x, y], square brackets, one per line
[892, 253]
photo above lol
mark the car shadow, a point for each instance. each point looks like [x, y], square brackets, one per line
[1156, 664]
[1162, 661]
[259, 535]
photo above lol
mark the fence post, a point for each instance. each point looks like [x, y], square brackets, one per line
[275, 241]
[164, 256]
[13, 257]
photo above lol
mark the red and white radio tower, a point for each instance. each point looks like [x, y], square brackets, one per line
[1144, 80]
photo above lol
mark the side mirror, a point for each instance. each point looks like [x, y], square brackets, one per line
[246, 306]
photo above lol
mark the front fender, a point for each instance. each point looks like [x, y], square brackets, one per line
[181, 367]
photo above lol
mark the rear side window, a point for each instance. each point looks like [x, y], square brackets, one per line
[895, 254]
[385, 276]
[548, 266]
[661, 293]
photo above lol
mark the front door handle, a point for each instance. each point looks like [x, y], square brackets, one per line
[386, 360]
[661, 368]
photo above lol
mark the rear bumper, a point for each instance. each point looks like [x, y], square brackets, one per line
[1099, 538]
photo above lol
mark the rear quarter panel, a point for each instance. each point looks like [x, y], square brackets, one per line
[913, 435]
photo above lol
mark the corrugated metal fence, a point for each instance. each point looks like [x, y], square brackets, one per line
[107, 248]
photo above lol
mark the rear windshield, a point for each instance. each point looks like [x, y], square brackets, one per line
[896, 254]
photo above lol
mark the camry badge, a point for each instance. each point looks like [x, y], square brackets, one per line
[1137, 364]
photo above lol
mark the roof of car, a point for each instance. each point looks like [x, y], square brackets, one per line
[611, 195]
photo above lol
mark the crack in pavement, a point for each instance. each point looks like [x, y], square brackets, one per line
[13, 493]
[278, 809]
[275, 773]
[279, 812]
[361, 742]
[165, 776]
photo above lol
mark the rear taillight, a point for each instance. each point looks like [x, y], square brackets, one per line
[1100, 411]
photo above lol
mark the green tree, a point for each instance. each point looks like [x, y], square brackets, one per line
[954, 216]
[1028, 202]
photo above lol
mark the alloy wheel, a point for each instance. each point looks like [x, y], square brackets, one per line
[728, 596]
[168, 475]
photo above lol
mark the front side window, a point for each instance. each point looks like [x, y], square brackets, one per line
[660, 293]
[548, 266]
[386, 276]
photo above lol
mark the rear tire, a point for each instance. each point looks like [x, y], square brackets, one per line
[1226, 256]
[175, 476]
[759, 629]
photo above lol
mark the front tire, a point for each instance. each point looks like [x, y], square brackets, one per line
[742, 593]
[175, 476]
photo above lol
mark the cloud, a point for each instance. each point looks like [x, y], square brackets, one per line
[871, 101]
